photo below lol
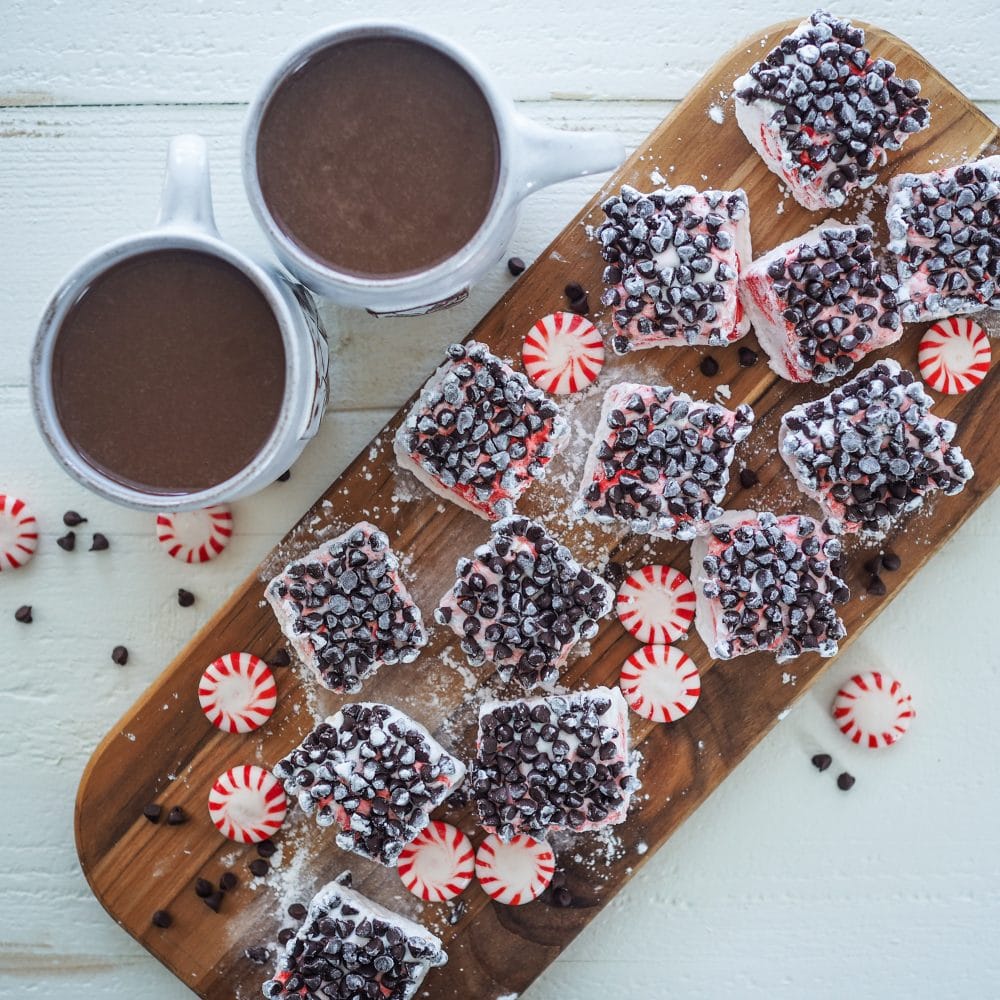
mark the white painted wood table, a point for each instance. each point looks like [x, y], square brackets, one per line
[780, 886]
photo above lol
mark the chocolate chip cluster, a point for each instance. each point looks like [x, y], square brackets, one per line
[776, 582]
[660, 460]
[836, 104]
[523, 602]
[481, 430]
[671, 263]
[551, 763]
[871, 450]
[946, 227]
[375, 772]
[346, 610]
[837, 298]
[348, 951]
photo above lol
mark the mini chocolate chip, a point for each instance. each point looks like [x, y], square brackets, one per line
[23, 614]
[258, 955]
[71, 519]
[285, 935]
[709, 366]
[874, 566]
[574, 292]
[580, 306]
[891, 561]
[152, 812]
[562, 896]
[284, 477]
[748, 478]
[185, 598]
[213, 901]
[822, 761]
[266, 849]
[845, 781]
[176, 816]
[162, 919]
[228, 881]
[297, 911]
[747, 357]
[119, 655]
[67, 542]
[516, 266]
[259, 867]
[100, 543]
[876, 586]
[280, 659]
[458, 910]
[203, 888]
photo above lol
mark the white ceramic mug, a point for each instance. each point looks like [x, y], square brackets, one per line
[186, 222]
[531, 157]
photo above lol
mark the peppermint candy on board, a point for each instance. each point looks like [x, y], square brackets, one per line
[954, 355]
[195, 536]
[656, 604]
[873, 710]
[517, 872]
[18, 532]
[563, 353]
[660, 683]
[438, 863]
[247, 804]
[237, 692]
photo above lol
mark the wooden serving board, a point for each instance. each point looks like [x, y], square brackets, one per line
[165, 750]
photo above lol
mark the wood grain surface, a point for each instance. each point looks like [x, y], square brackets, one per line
[165, 750]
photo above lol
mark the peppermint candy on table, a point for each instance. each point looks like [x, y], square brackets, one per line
[18, 532]
[247, 804]
[656, 604]
[660, 683]
[873, 710]
[563, 353]
[438, 863]
[954, 355]
[517, 872]
[237, 692]
[195, 536]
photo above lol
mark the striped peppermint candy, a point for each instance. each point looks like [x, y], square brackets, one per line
[873, 710]
[656, 604]
[18, 532]
[195, 536]
[438, 863]
[247, 804]
[517, 872]
[563, 353]
[954, 355]
[660, 683]
[237, 692]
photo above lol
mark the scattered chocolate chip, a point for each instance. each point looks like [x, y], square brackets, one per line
[876, 586]
[748, 478]
[561, 896]
[67, 542]
[845, 781]
[100, 543]
[891, 561]
[580, 306]
[267, 849]
[874, 566]
[280, 659]
[748, 358]
[516, 266]
[176, 816]
[152, 812]
[203, 888]
[119, 655]
[213, 901]
[297, 911]
[228, 882]
[71, 519]
[285, 935]
[284, 477]
[162, 919]
[457, 910]
[259, 867]
[258, 955]
[23, 614]
[573, 291]
[709, 366]
[185, 598]
[822, 761]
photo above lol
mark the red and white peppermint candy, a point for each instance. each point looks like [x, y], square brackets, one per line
[563, 353]
[247, 804]
[517, 872]
[656, 604]
[660, 683]
[438, 863]
[195, 536]
[954, 355]
[18, 532]
[237, 692]
[873, 710]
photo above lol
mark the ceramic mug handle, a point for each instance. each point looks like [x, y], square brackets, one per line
[549, 155]
[186, 202]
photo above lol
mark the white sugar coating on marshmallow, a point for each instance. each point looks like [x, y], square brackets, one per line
[374, 772]
[571, 750]
[944, 230]
[769, 584]
[480, 433]
[873, 710]
[954, 355]
[247, 804]
[660, 683]
[871, 451]
[659, 461]
[674, 259]
[345, 608]
[656, 604]
[339, 936]
[18, 532]
[822, 113]
[517, 872]
[237, 692]
[820, 302]
[195, 536]
[438, 864]
[563, 353]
